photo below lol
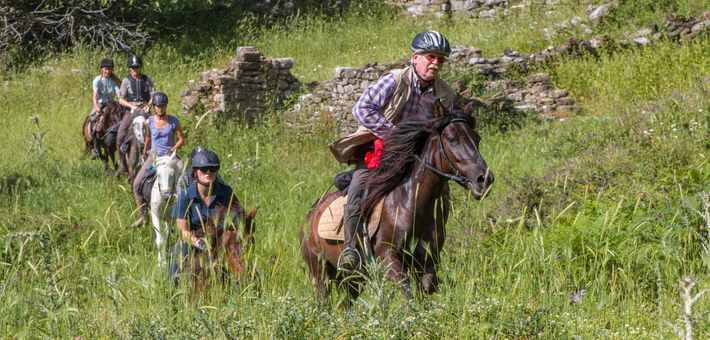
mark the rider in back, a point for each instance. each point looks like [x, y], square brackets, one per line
[393, 97]
[135, 95]
[105, 89]
[162, 130]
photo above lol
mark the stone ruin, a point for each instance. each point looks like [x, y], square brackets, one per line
[334, 99]
[243, 89]
[473, 8]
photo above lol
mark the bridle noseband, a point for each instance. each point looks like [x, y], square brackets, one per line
[457, 177]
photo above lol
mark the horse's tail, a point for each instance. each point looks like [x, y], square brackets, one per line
[87, 149]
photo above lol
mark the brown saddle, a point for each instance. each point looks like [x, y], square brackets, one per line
[330, 226]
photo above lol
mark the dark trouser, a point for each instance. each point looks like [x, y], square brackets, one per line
[178, 254]
[358, 184]
[137, 192]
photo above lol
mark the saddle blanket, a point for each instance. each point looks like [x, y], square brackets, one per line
[330, 226]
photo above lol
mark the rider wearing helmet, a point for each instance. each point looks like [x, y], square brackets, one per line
[162, 130]
[137, 89]
[105, 88]
[393, 97]
[186, 180]
[199, 201]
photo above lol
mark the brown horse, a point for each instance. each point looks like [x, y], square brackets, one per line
[224, 258]
[420, 156]
[112, 115]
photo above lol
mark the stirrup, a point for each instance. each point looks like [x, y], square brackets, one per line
[359, 263]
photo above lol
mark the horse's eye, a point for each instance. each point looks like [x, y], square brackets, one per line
[451, 139]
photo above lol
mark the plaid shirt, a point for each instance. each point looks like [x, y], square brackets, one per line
[373, 100]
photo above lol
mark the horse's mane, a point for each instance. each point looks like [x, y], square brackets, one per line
[167, 161]
[403, 142]
[113, 113]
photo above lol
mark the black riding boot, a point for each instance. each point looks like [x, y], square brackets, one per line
[350, 258]
[97, 149]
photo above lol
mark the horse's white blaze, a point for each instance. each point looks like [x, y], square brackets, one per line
[168, 169]
[139, 130]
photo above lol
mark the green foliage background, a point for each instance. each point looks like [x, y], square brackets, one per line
[609, 201]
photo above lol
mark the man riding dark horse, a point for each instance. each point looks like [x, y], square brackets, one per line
[393, 97]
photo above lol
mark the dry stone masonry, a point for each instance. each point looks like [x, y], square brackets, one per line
[244, 88]
[335, 98]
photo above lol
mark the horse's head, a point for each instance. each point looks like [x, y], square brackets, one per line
[166, 175]
[458, 154]
[139, 130]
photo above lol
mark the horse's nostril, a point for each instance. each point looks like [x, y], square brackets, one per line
[165, 197]
[480, 179]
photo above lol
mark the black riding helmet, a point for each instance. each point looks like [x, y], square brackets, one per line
[195, 151]
[431, 41]
[106, 62]
[205, 158]
[160, 98]
[135, 61]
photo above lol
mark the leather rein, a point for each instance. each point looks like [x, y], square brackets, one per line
[457, 177]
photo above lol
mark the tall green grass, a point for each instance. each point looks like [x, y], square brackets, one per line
[607, 202]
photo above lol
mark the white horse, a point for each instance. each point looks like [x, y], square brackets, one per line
[162, 199]
[132, 160]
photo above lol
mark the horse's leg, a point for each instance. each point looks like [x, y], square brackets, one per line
[396, 271]
[319, 269]
[159, 239]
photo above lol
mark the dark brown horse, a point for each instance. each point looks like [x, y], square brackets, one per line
[112, 115]
[420, 156]
[224, 258]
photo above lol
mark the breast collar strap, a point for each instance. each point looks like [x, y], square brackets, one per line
[457, 177]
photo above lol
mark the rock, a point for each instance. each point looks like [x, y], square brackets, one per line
[249, 55]
[557, 94]
[591, 9]
[599, 13]
[340, 70]
[186, 92]
[188, 102]
[526, 109]
[643, 32]
[564, 101]
[575, 21]
[474, 61]
[642, 41]
[698, 27]
[539, 78]
[224, 81]
[459, 86]
[200, 86]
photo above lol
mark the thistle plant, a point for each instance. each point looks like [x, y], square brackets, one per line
[37, 138]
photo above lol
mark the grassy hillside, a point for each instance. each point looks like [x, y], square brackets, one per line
[591, 223]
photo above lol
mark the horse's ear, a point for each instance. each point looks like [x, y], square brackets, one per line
[438, 109]
[249, 221]
[468, 110]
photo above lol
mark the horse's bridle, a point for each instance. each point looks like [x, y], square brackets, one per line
[457, 177]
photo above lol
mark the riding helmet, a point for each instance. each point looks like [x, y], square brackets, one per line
[135, 61]
[205, 158]
[160, 98]
[195, 150]
[106, 62]
[431, 41]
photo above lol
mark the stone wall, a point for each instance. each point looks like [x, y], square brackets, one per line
[335, 98]
[244, 88]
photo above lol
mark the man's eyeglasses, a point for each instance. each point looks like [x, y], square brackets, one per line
[430, 58]
[211, 169]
